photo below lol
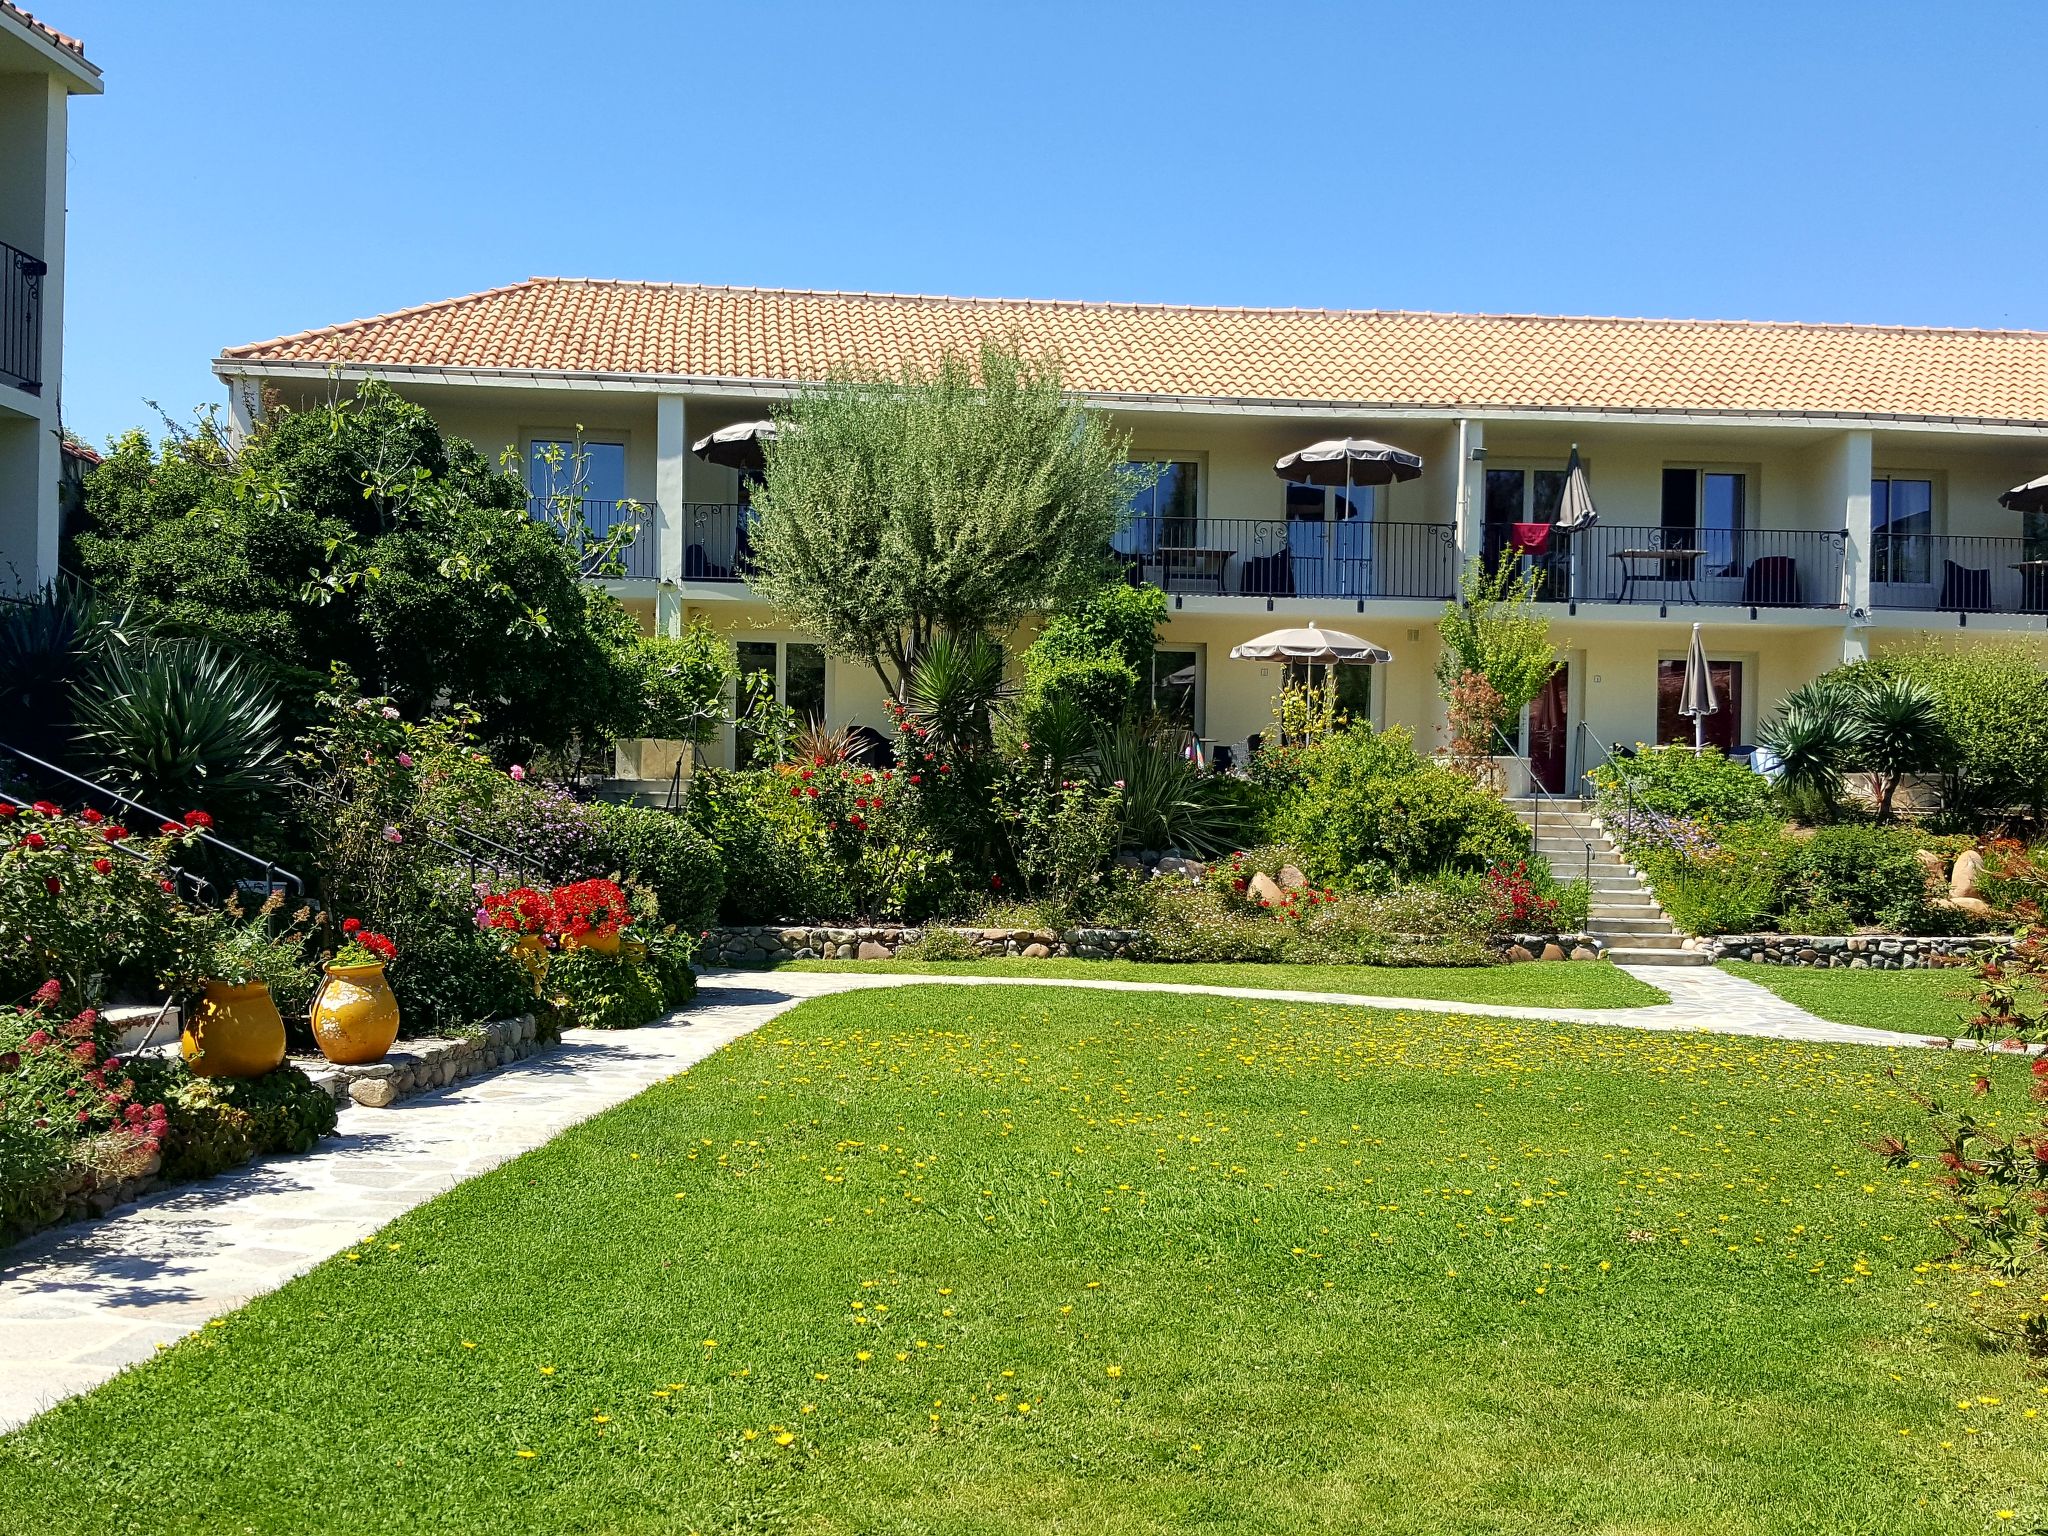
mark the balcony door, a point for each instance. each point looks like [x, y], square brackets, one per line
[1550, 732]
[1707, 510]
[1165, 507]
[1901, 530]
[592, 473]
[1330, 539]
[1723, 727]
[1524, 497]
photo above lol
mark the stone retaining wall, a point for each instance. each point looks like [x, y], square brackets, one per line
[1856, 952]
[1518, 948]
[419, 1066]
[771, 945]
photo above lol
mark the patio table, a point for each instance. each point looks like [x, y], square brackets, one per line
[1190, 564]
[1670, 565]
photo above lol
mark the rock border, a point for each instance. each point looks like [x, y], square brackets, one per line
[1850, 952]
[413, 1067]
[774, 943]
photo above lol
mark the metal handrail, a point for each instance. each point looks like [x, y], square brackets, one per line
[272, 870]
[1607, 759]
[1542, 796]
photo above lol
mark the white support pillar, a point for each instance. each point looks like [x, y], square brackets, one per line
[1850, 485]
[671, 498]
[245, 407]
[1471, 508]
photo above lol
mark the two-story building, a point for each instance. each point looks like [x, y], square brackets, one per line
[1806, 493]
[40, 71]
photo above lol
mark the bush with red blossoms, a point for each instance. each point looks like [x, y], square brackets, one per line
[587, 909]
[70, 1115]
[1517, 906]
[86, 900]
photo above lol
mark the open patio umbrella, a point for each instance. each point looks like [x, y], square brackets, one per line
[737, 446]
[2031, 497]
[1345, 462]
[1318, 647]
[1696, 699]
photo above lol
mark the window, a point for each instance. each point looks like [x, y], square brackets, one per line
[594, 471]
[797, 671]
[1723, 728]
[1354, 687]
[1163, 512]
[1329, 539]
[1706, 509]
[1526, 496]
[1901, 529]
[1176, 688]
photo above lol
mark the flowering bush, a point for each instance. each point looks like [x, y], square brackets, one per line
[587, 909]
[70, 1115]
[85, 899]
[1517, 905]
[520, 911]
[359, 946]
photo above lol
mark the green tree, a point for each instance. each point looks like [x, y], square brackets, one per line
[1097, 652]
[356, 532]
[952, 503]
[1492, 630]
[1991, 701]
[681, 682]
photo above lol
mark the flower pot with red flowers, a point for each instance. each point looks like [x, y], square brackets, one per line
[590, 914]
[522, 916]
[355, 1017]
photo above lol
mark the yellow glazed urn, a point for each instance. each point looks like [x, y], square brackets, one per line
[234, 1032]
[355, 1017]
[531, 951]
[603, 943]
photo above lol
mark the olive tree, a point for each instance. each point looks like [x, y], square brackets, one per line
[948, 503]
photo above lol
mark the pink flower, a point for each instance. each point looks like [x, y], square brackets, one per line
[393, 835]
[388, 712]
[49, 992]
[518, 774]
[405, 759]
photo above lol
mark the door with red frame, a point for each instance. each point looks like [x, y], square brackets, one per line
[1723, 726]
[1550, 733]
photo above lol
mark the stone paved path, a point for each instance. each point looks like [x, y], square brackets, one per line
[81, 1303]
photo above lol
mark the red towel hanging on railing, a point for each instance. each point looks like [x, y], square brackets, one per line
[1529, 538]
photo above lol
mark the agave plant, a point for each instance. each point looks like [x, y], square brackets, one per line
[1814, 735]
[47, 643]
[957, 693]
[182, 723]
[1167, 801]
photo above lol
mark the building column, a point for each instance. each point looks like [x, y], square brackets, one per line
[245, 407]
[671, 502]
[1851, 501]
[1471, 505]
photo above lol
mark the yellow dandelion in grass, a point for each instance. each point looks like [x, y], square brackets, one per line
[807, 1408]
[661, 1394]
[2005, 1514]
[600, 1418]
[750, 1434]
[785, 1439]
[469, 1343]
[902, 1354]
[547, 1370]
[528, 1455]
[1023, 1407]
[711, 1343]
[861, 1354]
[820, 1376]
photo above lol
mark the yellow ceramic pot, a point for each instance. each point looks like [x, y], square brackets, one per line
[531, 951]
[603, 943]
[355, 1017]
[234, 1032]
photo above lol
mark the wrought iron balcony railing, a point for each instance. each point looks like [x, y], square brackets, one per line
[1268, 557]
[21, 319]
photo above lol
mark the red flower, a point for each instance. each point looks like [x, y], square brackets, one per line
[91, 817]
[37, 1041]
[945, 767]
[48, 808]
[103, 866]
[166, 887]
[53, 885]
[171, 829]
[33, 840]
[6, 809]
[996, 881]
[917, 778]
[198, 819]
[113, 832]
[48, 993]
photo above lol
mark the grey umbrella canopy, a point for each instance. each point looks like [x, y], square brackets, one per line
[1575, 510]
[1348, 461]
[1696, 700]
[1323, 647]
[2031, 497]
[737, 446]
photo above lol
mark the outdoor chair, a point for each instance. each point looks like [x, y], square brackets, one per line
[1266, 575]
[1772, 581]
[697, 566]
[1965, 589]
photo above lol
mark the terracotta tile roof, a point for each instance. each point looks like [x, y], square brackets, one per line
[1338, 357]
[44, 30]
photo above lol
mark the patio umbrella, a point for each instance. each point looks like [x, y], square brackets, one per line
[1575, 511]
[1696, 699]
[1320, 647]
[737, 446]
[2031, 497]
[1346, 462]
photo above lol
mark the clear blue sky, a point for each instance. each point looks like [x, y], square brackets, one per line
[257, 168]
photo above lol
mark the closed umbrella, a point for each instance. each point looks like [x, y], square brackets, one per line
[1696, 699]
[1575, 510]
[1345, 462]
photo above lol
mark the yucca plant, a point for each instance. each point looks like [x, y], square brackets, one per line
[957, 693]
[1167, 801]
[1882, 725]
[182, 723]
[1899, 732]
[1814, 735]
[47, 644]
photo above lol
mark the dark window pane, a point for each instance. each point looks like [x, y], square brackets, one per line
[596, 471]
[1354, 694]
[1721, 512]
[1722, 728]
[803, 687]
[1504, 496]
[1176, 680]
[1681, 498]
[1549, 488]
[1305, 503]
[1355, 504]
[756, 656]
[1901, 522]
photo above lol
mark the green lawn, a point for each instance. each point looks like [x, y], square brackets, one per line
[951, 1260]
[1580, 984]
[1913, 1002]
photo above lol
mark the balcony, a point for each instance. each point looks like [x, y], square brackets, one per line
[21, 319]
[1265, 557]
[715, 543]
[1686, 567]
[641, 558]
[1939, 573]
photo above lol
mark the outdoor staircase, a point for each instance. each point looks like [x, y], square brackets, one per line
[1624, 916]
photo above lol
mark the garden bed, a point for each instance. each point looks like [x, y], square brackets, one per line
[774, 944]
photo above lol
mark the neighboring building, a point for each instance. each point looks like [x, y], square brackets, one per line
[40, 71]
[1808, 493]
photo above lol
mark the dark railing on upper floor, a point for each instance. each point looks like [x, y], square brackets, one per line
[641, 558]
[715, 543]
[1941, 573]
[1268, 557]
[1620, 563]
[21, 319]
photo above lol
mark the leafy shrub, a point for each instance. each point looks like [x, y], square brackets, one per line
[1991, 701]
[936, 943]
[669, 856]
[450, 974]
[1677, 781]
[1368, 812]
[668, 963]
[679, 684]
[1870, 872]
[1094, 654]
[217, 1123]
[1165, 801]
[1187, 922]
[770, 844]
[605, 991]
[1062, 838]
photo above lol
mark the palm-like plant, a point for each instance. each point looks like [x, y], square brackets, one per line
[1167, 801]
[1856, 721]
[1899, 731]
[1813, 735]
[47, 643]
[183, 723]
[957, 693]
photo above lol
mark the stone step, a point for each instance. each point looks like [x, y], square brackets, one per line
[1631, 927]
[1640, 956]
[1668, 938]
